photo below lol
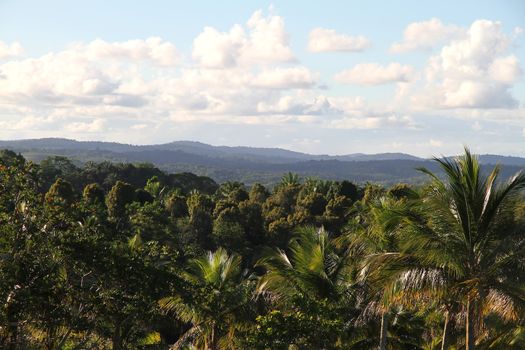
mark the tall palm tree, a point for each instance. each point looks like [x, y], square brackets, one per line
[460, 240]
[214, 302]
[372, 232]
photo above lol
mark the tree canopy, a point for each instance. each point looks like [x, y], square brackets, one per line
[124, 256]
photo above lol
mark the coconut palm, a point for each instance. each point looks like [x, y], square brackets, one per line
[460, 242]
[312, 267]
[214, 302]
[372, 233]
[290, 179]
[314, 283]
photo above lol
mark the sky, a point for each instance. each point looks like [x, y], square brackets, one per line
[323, 77]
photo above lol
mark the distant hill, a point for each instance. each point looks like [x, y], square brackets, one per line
[503, 160]
[247, 164]
[272, 155]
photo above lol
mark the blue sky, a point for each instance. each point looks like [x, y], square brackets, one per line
[322, 77]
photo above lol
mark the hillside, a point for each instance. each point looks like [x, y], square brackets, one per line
[246, 164]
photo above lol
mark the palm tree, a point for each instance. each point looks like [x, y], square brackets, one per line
[315, 281]
[214, 303]
[290, 179]
[373, 233]
[312, 267]
[460, 241]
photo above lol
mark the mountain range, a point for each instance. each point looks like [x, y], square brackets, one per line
[247, 164]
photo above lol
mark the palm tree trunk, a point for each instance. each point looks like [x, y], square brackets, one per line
[444, 339]
[469, 329]
[116, 339]
[384, 331]
[12, 328]
[212, 343]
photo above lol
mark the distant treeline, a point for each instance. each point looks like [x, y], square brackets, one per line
[246, 164]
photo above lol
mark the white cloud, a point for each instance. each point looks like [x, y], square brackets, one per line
[153, 49]
[473, 72]
[129, 83]
[28, 122]
[435, 143]
[325, 40]
[372, 122]
[215, 49]
[96, 125]
[505, 69]
[139, 126]
[348, 104]
[248, 76]
[375, 74]
[55, 77]
[295, 105]
[285, 78]
[85, 74]
[264, 40]
[426, 35]
[10, 50]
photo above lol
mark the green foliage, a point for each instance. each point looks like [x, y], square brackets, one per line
[401, 191]
[258, 193]
[372, 192]
[289, 179]
[55, 167]
[309, 265]
[93, 193]
[313, 267]
[60, 193]
[213, 301]
[200, 220]
[176, 205]
[120, 195]
[312, 325]
[143, 196]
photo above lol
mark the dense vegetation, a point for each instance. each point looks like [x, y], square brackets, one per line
[123, 256]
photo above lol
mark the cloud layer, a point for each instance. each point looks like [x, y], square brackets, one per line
[250, 75]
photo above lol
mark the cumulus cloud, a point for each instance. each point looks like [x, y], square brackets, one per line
[325, 40]
[85, 74]
[262, 40]
[28, 122]
[299, 104]
[112, 81]
[153, 49]
[426, 35]
[474, 72]
[247, 75]
[375, 74]
[10, 50]
[505, 69]
[285, 78]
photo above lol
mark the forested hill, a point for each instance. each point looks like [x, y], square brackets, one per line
[246, 164]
